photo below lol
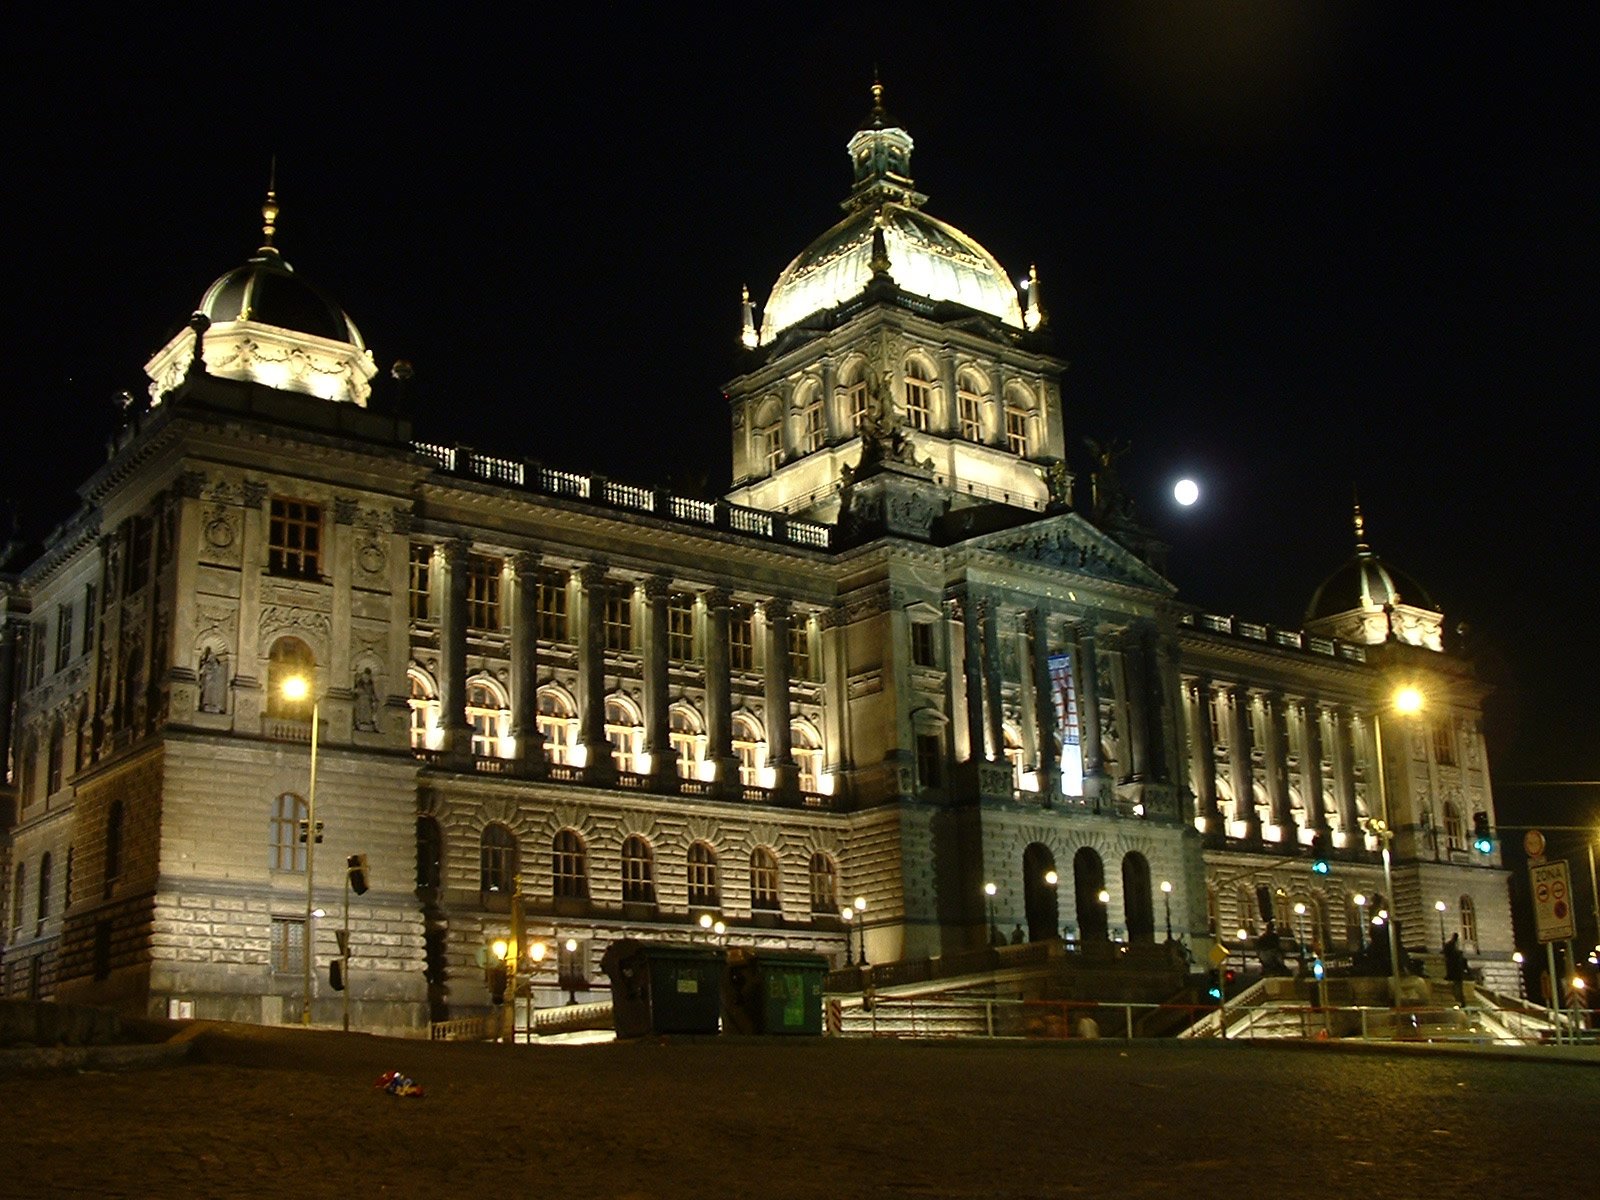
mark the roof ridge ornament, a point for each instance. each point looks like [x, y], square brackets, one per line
[747, 335]
[1035, 315]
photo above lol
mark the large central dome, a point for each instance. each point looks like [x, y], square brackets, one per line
[926, 257]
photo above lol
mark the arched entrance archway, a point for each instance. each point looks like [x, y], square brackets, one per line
[1088, 880]
[1039, 893]
[1137, 903]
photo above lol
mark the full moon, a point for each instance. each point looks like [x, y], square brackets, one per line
[1186, 492]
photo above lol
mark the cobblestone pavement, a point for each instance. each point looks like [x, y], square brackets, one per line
[263, 1112]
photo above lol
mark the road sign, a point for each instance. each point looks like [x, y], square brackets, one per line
[1552, 901]
[1219, 954]
[1533, 843]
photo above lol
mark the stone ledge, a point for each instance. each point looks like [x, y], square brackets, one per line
[33, 1060]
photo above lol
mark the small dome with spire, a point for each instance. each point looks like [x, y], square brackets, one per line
[1368, 601]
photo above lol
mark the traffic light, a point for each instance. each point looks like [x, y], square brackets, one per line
[1482, 837]
[303, 833]
[497, 982]
[336, 974]
[356, 865]
[1319, 854]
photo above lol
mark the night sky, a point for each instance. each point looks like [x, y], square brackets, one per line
[1287, 249]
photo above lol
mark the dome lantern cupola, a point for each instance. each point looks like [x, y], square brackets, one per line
[1368, 602]
[880, 155]
[270, 326]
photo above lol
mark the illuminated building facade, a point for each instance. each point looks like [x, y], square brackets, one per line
[896, 661]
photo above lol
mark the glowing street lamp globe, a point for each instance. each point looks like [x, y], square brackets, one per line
[1407, 700]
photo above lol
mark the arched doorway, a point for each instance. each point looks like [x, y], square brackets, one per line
[1088, 881]
[1039, 893]
[1137, 903]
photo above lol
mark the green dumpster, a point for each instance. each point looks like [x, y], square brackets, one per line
[663, 987]
[773, 991]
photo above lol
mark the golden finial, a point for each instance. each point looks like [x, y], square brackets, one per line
[1361, 530]
[269, 210]
[748, 337]
[1034, 317]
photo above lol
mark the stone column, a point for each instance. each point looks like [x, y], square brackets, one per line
[1049, 741]
[1136, 695]
[834, 422]
[1094, 766]
[719, 692]
[972, 669]
[1203, 767]
[450, 560]
[9, 689]
[657, 737]
[1277, 767]
[954, 648]
[780, 748]
[525, 658]
[993, 707]
[947, 379]
[1240, 765]
[1311, 766]
[1344, 775]
[597, 758]
[186, 566]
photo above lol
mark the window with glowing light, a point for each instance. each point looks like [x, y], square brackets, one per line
[764, 881]
[969, 406]
[497, 858]
[1017, 431]
[294, 538]
[919, 395]
[684, 732]
[638, 871]
[703, 890]
[813, 431]
[485, 710]
[807, 756]
[1469, 921]
[483, 592]
[624, 732]
[285, 850]
[824, 885]
[421, 575]
[424, 706]
[747, 748]
[569, 866]
[557, 723]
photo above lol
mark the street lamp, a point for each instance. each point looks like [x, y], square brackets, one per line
[989, 889]
[1166, 900]
[536, 952]
[1438, 907]
[1300, 925]
[860, 905]
[1405, 701]
[295, 689]
[1360, 901]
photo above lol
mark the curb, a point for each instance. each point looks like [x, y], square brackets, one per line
[38, 1060]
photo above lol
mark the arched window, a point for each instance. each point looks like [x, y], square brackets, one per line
[430, 854]
[854, 395]
[683, 730]
[19, 891]
[969, 405]
[1019, 421]
[290, 658]
[46, 869]
[569, 866]
[1455, 832]
[497, 858]
[919, 395]
[1138, 906]
[53, 779]
[747, 742]
[638, 871]
[813, 429]
[807, 755]
[1469, 921]
[424, 710]
[557, 724]
[1088, 881]
[485, 709]
[703, 889]
[764, 881]
[114, 830]
[285, 850]
[824, 884]
[1039, 896]
[767, 432]
[623, 731]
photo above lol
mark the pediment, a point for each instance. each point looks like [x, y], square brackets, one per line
[1070, 543]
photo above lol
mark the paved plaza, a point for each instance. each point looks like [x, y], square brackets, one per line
[274, 1112]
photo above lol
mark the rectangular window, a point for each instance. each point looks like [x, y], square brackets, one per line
[421, 580]
[63, 636]
[680, 629]
[771, 441]
[922, 648]
[88, 619]
[139, 536]
[1444, 742]
[813, 434]
[919, 403]
[550, 606]
[971, 410]
[294, 538]
[800, 649]
[764, 882]
[930, 759]
[855, 399]
[1017, 431]
[741, 638]
[483, 592]
[619, 616]
[288, 944]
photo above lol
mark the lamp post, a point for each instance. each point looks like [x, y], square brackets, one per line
[1166, 901]
[295, 689]
[860, 905]
[1300, 926]
[1438, 907]
[1406, 701]
[536, 952]
[989, 889]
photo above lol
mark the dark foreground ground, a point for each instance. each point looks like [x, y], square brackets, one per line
[287, 1113]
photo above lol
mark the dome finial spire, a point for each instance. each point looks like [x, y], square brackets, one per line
[1361, 527]
[747, 335]
[269, 210]
[1034, 317]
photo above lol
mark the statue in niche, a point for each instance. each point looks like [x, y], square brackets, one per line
[213, 683]
[366, 710]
